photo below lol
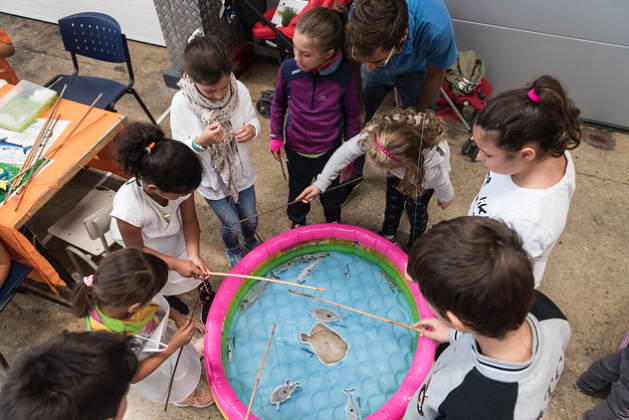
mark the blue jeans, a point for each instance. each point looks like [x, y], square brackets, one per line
[230, 212]
[376, 86]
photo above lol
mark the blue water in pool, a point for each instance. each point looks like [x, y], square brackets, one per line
[377, 361]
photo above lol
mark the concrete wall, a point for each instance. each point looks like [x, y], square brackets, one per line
[585, 44]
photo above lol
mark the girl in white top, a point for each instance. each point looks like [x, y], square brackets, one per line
[121, 297]
[155, 209]
[213, 115]
[411, 148]
[523, 138]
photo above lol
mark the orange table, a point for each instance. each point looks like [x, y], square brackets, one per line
[78, 151]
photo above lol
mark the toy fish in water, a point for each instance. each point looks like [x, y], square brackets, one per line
[392, 284]
[307, 272]
[346, 271]
[274, 276]
[327, 344]
[230, 349]
[325, 315]
[301, 259]
[253, 295]
[283, 392]
[351, 407]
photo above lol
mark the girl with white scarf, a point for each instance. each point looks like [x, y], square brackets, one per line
[214, 115]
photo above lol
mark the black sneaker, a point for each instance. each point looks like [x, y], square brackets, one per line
[207, 297]
[346, 191]
[600, 393]
[177, 304]
[393, 239]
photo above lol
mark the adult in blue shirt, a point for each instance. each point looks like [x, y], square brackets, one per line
[407, 44]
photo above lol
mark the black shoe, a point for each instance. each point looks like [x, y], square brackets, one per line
[177, 304]
[207, 297]
[394, 239]
[600, 393]
[346, 191]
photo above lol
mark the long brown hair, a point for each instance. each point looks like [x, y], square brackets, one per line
[124, 278]
[551, 122]
[400, 134]
[326, 27]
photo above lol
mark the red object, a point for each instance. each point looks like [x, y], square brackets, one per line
[476, 99]
[262, 31]
[242, 57]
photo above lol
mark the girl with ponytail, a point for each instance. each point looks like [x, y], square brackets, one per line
[411, 148]
[155, 209]
[122, 297]
[523, 136]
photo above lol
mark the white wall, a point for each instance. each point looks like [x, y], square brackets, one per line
[137, 18]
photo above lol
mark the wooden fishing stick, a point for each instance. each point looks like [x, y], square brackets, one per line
[293, 202]
[170, 385]
[74, 127]
[260, 373]
[35, 168]
[283, 171]
[54, 149]
[243, 276]
[355, 310]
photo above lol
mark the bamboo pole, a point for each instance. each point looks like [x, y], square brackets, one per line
[293, 202]
[244, 276]
[356, 310]
[259, 373]
[172, 377]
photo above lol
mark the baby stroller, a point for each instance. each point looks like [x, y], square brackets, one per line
[464, 86]
[280, 39]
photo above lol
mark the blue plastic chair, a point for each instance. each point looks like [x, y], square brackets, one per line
[13, 285]
[97, 36]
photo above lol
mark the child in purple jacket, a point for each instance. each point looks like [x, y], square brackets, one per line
[320, 91]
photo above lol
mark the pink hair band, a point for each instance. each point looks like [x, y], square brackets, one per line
[89, 280]
[385, 152]
[533, 96]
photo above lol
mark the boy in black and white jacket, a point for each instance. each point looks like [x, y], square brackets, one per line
[507, 340]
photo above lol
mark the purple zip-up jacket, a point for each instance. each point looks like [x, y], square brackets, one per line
[321, 105]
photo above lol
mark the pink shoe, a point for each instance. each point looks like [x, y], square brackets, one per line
[200, 398]
[624, 341]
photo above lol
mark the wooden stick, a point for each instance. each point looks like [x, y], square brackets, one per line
[172, 377]
[243, 276]
[259, 373]
[293, 202]
[356, 310]
[36, 169]
[74, 127]
[283, 171]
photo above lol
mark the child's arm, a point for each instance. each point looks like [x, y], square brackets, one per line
[437, 176]
[5, 264]
[6, 50]
[351, 108]
[182, 336]
[132, 238]
[342, 157]
[192, 235]
[278, 113]
[434, 329]
[251, 128]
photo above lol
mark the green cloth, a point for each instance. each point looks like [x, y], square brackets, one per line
[466, 73]
[316, 155]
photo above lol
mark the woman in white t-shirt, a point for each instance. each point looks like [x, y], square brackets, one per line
[155, 209]
[523, 137]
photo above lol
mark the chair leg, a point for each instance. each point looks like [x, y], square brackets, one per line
[146, 110]
[3, 363]
[26, 289]
[72, 251]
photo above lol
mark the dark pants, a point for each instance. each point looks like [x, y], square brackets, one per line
[376, 86]
[301, 172]
[611, 370]
[417, 211]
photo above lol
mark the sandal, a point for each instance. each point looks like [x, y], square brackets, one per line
[200, 398]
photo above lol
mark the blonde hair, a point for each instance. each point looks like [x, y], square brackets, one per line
[399, 133]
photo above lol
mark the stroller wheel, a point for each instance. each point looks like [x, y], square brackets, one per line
[263, 105]
[469, 148]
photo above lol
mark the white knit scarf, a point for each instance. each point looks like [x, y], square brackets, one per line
[223, 154]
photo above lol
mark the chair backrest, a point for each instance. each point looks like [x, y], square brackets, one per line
[98, 224]
[94, 35]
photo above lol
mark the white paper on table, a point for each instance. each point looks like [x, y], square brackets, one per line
[27, 137]
[298, 5]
